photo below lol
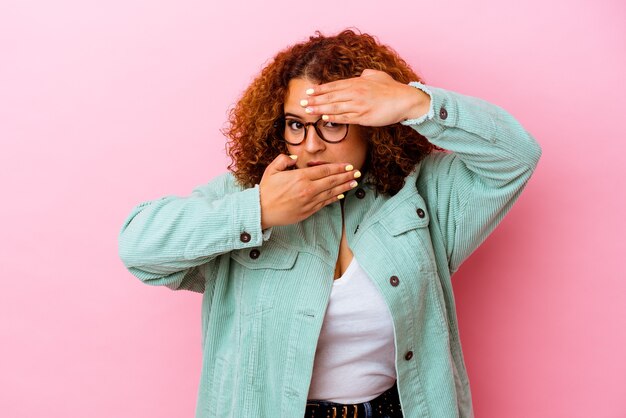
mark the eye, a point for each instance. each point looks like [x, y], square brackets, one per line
[333, 125]
[294, 125]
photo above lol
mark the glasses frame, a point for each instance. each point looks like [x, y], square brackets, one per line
[280, 125]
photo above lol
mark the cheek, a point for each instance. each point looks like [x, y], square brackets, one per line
[355, 156]
[363, 158]
[291, 150]
[359, 146]
[361, 154]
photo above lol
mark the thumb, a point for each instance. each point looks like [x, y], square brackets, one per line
[281, 163]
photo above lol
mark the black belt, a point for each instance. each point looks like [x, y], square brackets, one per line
[387, 405]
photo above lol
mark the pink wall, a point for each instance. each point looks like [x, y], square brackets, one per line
[106, 104]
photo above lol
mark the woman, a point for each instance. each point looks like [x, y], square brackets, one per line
[338, 172]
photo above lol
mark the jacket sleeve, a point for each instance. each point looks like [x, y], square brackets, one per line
[470, 188]
[173, 241]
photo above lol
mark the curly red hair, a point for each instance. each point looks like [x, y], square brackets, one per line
[253, 138]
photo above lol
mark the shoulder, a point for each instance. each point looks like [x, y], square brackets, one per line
[434, 164]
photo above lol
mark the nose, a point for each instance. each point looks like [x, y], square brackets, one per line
[312, 142]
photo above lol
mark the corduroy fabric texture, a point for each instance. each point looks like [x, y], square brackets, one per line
[265, 292]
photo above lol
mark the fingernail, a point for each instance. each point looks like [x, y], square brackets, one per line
[349, 167]
[304, 102]
[325, 117]
[310, 91]
[341, 196]
[354, 184]
[308, 110]
[357, 174]
[293, 156]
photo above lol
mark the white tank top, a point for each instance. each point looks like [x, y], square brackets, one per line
[355, 357]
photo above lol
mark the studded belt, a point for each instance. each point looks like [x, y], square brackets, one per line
[387, 405]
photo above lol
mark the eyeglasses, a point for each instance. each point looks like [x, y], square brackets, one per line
[294, 131]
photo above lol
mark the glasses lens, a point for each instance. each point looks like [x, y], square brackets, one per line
[330, 131]
[295, 131]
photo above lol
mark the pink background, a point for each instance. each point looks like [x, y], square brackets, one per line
[104, 104]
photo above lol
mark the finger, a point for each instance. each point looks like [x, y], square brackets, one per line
[325, 170]
[333, 186]
[347, 118]
[316, 90]
[330, 97]
[334, 108]
[281, 163]
[336, 187]
[335, 194]
[326, 202]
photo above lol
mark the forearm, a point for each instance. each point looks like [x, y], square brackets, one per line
[490, 141]
[169, 235]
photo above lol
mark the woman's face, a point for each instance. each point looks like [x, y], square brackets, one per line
[313, 150]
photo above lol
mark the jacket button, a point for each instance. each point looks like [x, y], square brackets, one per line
[254, 254]
[443, 113]
[394, 281]
[360, 193]
[420, 212]
[245, 237]
[408, 356]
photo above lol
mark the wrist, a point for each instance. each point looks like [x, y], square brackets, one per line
[419, 103]
[265, 222]
[263, 208]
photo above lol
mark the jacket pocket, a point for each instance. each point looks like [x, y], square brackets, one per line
[410, 214]
[408, 224]
[258, 274]
[271, 255]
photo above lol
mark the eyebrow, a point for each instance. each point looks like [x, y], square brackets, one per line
[293, 116]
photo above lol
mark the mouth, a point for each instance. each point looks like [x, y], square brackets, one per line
[314, 163]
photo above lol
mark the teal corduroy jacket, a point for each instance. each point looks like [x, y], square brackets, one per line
[265, 292]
